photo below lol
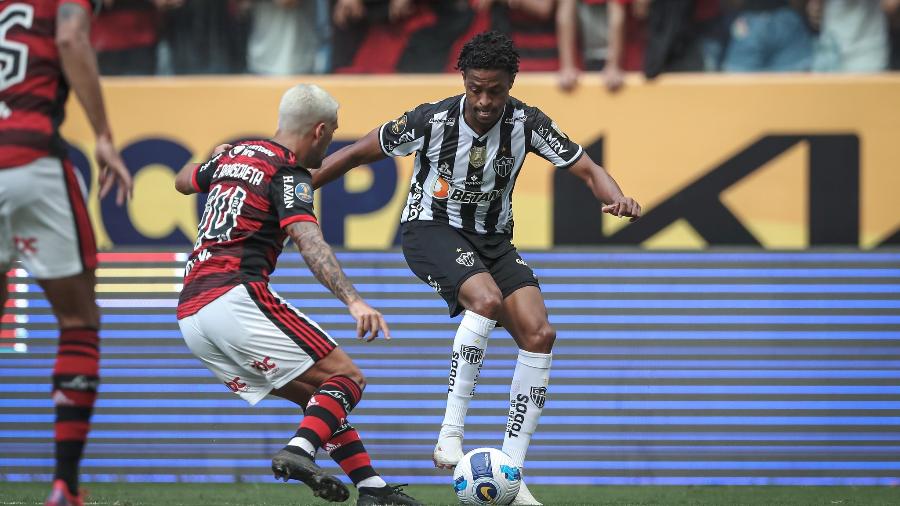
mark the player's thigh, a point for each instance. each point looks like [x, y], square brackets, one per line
[441, 257]
[524, 315]
[267, 336]
[250, 387]
[49, 221]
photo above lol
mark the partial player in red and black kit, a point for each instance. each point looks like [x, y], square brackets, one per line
[254, 341]
[45, 50]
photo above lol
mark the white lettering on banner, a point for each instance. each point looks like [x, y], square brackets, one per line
[240, 171]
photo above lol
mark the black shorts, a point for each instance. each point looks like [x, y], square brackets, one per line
[444, 257]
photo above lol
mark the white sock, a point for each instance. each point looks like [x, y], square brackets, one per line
[465, 364]
[526, 401]
[303, 444]
[372, 482]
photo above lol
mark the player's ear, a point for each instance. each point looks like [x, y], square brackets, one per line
[319, 131]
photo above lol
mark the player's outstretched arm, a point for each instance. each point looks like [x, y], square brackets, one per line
[605, 189]
[184, 180]
[322, 263]
[361, 152]
[79, 64]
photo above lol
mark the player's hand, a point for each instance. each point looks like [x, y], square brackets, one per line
[112, 170]
[623, 206]
[369, 322]
[220, 148]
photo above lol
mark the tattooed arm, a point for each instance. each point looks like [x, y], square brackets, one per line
[322, 263]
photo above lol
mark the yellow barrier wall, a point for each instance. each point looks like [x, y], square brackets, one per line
[657, 139]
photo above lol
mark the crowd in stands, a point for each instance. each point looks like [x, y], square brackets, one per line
[286, 37]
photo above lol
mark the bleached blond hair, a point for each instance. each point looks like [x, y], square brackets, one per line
[303, 107]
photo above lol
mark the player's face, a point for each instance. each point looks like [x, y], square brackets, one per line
[486, 94]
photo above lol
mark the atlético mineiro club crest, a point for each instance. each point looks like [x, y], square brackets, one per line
[503, 165]
[538, 396]
[471, 354]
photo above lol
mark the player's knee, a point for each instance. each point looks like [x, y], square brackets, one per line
[487, 303]
[357, 376]
[541, 340]
[85, 315]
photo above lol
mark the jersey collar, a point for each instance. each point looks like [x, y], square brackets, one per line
[472, 132]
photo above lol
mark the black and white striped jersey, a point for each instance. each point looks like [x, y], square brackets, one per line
[465, 179]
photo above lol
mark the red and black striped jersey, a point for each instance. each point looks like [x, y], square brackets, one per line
[33, 90]
[256, 189]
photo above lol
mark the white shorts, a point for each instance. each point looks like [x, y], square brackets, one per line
[254, 341]
[44, 221]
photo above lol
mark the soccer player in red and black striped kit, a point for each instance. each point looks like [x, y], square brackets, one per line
[254, 341]
[44, 221]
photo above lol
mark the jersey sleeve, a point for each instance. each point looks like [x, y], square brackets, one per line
[550, 143]
[406, 134]
[291, 195]
[203, 174]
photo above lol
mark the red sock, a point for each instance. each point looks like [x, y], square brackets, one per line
[328, 409]
[348, 451]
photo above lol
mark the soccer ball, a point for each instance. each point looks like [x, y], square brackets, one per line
[486, 476]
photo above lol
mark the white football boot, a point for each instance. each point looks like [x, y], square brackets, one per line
[524, 497]
[447, 452]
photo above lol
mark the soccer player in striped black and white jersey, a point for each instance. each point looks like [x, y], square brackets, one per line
[457, 227]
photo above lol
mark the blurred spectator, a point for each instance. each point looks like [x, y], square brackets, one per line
[125, 34]
[767, 36]
[683, 36]
[284, 38]
[203, 37]
[530, 25]
[853, 35]
[893, 9]
[613, 37]
[370, 36]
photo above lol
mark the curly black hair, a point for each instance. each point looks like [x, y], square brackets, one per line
[489, 51]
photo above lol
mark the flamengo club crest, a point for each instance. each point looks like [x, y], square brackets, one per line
[471, 354]
[477, 156]
[538, 396]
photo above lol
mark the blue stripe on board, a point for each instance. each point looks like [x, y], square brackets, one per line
[631, 335]
[555, 404]
[534, 479]
[800, 434]
[648, 419]
[647, 256]
[204, 387]
[504, 373]
[559, 362]
[622, 288]
[582, 450]
[434, 303]
[625, 272]
[501, 344]
[637, 319]
[575, 465]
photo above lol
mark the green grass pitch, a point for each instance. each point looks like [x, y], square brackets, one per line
[133, 494]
